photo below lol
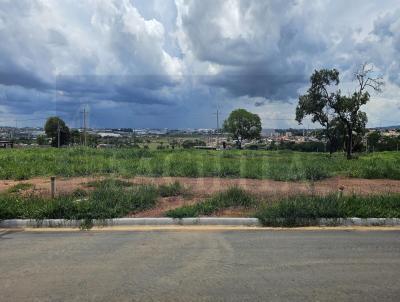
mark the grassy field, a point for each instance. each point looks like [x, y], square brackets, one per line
[302, 210]
[108, 198]
[277, 165]
[305, 210]
[233, 197]
[112, 198]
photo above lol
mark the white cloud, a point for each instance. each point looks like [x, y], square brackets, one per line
[190, 53]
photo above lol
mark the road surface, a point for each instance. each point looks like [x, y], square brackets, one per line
[200, 266]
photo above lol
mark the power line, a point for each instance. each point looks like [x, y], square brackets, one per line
[84, 113]
[58, 133]
[23, 120]
[217, 114]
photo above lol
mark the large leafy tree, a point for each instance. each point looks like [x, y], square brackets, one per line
[316, 102]
[242, 124]
[347, 108]
[57, 131]
[326, 105]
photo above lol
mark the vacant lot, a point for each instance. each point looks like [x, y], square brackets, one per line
[93, 184]
[99, 198]
[206, 186]
[277, 165]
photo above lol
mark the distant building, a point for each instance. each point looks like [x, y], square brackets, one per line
[105, 134]
[268, 132]
[391, 133]
[105, 146]
[6, 144]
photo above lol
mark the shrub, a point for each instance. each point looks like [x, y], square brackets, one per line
[306, 210]
[173, 189]
[187, 144]
[104, 202]
[233, 197]
[109, 182]
[315, 173]
[20, 187]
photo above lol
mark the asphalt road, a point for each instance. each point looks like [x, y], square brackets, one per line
[200, 266]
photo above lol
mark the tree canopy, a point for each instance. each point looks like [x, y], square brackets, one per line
[327, 106]
[316, 102]
[56, 129]
[242, 124]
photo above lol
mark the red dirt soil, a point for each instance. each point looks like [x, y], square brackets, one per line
[200, 188]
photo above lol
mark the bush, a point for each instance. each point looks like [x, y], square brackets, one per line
[109, 182]
[233, 197]
[306, 210]
[187, 144]
[315, 173]
[104, 202]
[20, 187]
[173, 189]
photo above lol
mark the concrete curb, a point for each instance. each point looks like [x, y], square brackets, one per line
[31, 223]
[208, 221]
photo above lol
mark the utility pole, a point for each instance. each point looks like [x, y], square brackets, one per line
[84, 113]
[14, 132]
[217, 132]
[217, 127]
[58, 134]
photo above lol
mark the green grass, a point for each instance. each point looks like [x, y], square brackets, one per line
[305, 210]
[113, 198]
[233, 197]
[20, 187]
[277, 165]
[108, 201]
[172, 189]
[302, 210]
[109, 182]
[110, 198]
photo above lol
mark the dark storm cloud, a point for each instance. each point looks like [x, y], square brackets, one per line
[168, 62]
[258, 58]
[22, 78]
[269, 48]
[144, 89]
[273, 87]
[26, 100]
[58, 56]
[387, 50]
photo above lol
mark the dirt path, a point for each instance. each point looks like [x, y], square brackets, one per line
[201, 187]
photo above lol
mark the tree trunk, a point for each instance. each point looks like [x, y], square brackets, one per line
[239, 143]
[330, 139]
[349, 142]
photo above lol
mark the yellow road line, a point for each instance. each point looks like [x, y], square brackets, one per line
[205, 228]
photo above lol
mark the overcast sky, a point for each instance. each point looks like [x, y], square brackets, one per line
[165, 63]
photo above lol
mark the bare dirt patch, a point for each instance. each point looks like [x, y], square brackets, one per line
[165, 204]
[207, 186]
[201, 188]
[266, 187]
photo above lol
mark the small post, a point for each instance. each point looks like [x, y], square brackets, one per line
[340, 191]
[53, 186]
